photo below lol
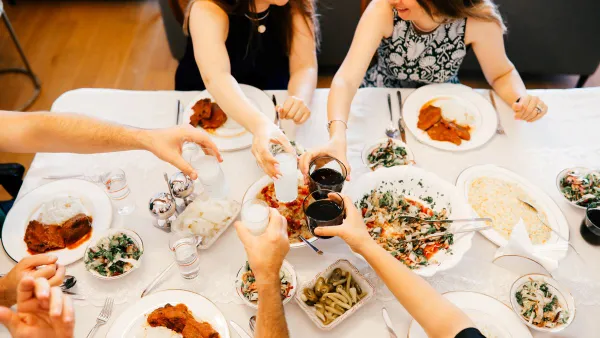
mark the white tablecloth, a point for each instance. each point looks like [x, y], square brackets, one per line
[537, 151]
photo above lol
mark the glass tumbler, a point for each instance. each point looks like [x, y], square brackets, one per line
[210, 174]
[117, 188]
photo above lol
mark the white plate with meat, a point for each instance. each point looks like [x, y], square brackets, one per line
[227, 134]
[171, 314]
[465, 119]
[59, 218]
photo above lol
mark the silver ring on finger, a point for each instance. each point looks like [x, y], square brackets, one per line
[539, 109]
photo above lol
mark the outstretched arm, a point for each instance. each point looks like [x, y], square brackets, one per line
[73, 133]
[413, 292]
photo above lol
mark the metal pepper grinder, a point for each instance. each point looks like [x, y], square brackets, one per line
[182, 186]
[163, 206]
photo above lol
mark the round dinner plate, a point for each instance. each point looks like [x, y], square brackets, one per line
[371, 146]
[132, 323]
[93, 197]
[418, 184]
[262, 182]
[231, 135]
[556, 218]
[492, 317]
[458, 102]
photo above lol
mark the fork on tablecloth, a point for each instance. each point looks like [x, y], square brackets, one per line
[499, 128]
[103, 316]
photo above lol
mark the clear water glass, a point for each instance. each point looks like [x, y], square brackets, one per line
[116, 185]
[210, 175]
[255, 216]
[286, 187]
[185, 250]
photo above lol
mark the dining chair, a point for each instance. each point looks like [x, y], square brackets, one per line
[27, 70]
[11, 179]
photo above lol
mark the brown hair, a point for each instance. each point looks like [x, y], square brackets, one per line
[305, 7]
[484, 10]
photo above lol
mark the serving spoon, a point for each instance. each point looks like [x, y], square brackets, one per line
[462, 220]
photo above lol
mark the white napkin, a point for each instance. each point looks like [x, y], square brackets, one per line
[520, 244]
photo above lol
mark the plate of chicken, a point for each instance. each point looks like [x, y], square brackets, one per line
[171, 314]
[205, 112]
[59, 218]
[450, 117]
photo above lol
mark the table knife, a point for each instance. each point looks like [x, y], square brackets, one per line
[238, 329]
[401, 119]
[388, 323]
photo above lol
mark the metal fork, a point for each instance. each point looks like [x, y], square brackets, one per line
[391, 131]
[103, 316]
[499, 128]
[277, 119]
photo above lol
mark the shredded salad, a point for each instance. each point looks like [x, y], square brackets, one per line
[583, 189]
[249, 288]
[387, 155]
[540, 306]
[113, 255]
[406, 239]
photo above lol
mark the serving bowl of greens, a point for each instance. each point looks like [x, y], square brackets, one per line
[579, 186]
[116, 254]
[386, 153]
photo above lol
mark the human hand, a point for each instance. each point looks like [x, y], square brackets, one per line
[42, 311]
[167, 143]
[267, 251]
[295, 109]
[334, 148]
[353, 230]
[261, 148]
[529, 108]
[28, 266]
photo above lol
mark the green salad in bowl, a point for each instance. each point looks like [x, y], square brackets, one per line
[114, 255]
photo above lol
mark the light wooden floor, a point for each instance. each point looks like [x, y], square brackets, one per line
[108, 44]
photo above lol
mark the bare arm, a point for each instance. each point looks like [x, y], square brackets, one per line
[414, 293]
[270, 319]
[48, 132]
[487, 41]
[209, 27]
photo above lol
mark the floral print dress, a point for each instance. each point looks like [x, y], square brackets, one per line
[410, 59]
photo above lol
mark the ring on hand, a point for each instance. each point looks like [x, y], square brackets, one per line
[539, 109]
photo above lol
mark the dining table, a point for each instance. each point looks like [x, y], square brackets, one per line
[566, 137]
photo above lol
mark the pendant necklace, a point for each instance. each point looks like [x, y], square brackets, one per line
[261, 28]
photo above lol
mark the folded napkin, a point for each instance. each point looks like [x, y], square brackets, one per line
[520, 244]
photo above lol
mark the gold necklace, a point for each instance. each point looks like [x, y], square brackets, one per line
[261, 28]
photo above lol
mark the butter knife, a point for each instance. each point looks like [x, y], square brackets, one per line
[238, 329]
[401, 119]
[388, 323]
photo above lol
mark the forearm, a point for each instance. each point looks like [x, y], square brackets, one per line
[509, 86]
[303, 83]
[338, 107]
[4, 294]
[270, 319]
[47, 132]
[416, 295]
[230, 97]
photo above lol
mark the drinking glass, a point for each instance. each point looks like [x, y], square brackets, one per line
[184, 247]
[255, 216]
[286, 187]
[590, 227]
[115, 183]
[323, 208]
[210, 175]
[326, 173]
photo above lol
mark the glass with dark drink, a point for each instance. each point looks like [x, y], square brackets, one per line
[590, 227]
[326, 173]
[323, 208]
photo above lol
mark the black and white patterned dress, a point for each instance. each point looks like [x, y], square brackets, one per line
[409, 58]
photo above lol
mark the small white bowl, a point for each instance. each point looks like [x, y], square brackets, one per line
[285, 266]
[136, 239]
[345, 265]
[562, 174]
[564, 297]
[372, 145]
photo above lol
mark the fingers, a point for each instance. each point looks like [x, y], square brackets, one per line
[276, 221]
[304, 117]
[183, 165]
[47, 272]
[8, 318]
[65, 324]
[42, 292]
[286, 109]
[56, 302]
[25, 289]
[281, 139]
[544, 111]
[328, 231]
[242, 231]
[520, 106]
[200, 137]
[304, 164]
[37, 260]
[58, 277]
[267, 161]
[530, 111]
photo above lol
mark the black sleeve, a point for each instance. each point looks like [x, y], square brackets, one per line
[470, 333]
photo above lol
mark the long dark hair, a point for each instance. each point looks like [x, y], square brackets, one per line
[484, 10]
[305, 7]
